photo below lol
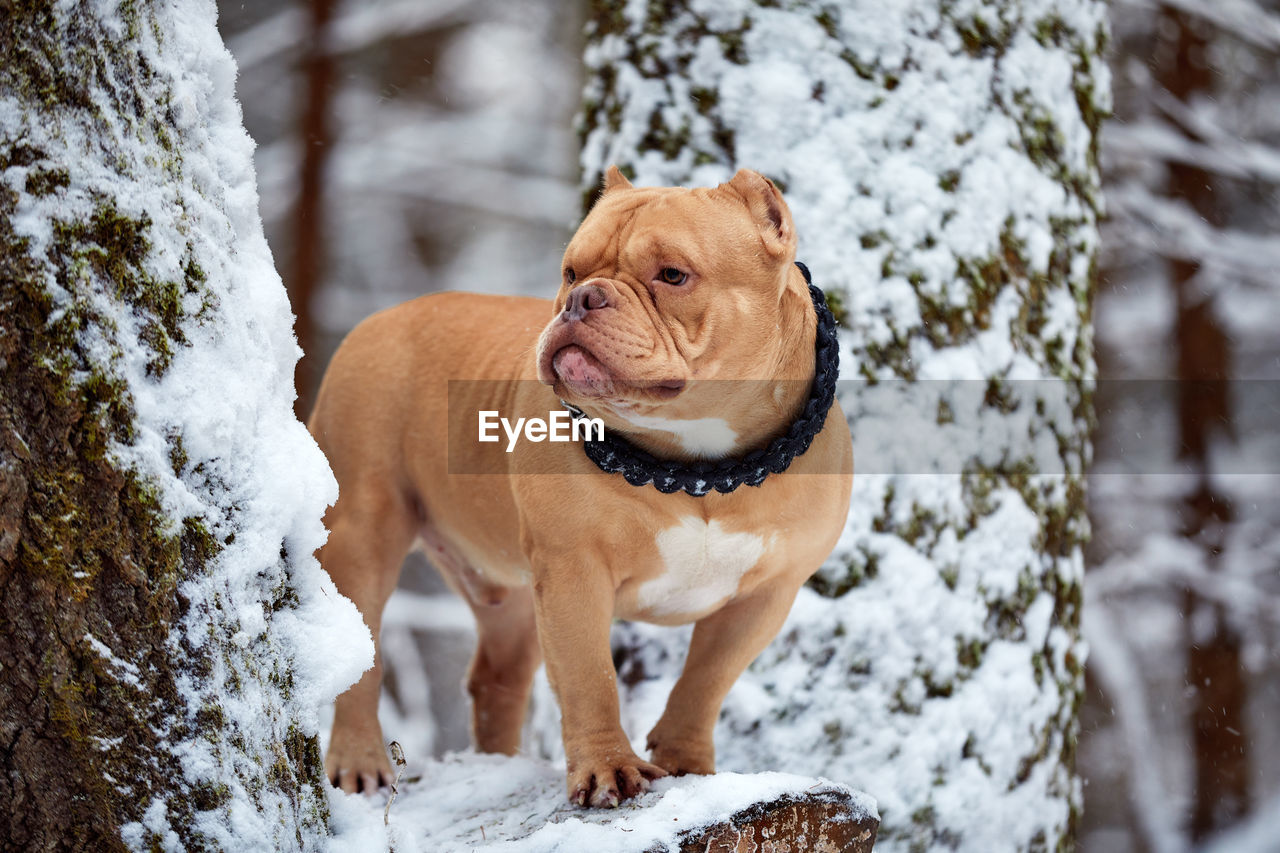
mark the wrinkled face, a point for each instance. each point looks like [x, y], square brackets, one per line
[663, 288]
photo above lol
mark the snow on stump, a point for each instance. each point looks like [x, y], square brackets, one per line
[518, 805]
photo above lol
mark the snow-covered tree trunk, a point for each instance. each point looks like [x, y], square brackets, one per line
[167, 634]
[940, 161]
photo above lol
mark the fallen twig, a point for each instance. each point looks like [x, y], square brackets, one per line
[397, 755]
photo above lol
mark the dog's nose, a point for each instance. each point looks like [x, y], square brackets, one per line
[584, 298]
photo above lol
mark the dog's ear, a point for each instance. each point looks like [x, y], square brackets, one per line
[615, 180]
[769, 211]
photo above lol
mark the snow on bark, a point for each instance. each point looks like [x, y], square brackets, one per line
[939, 157]
[162, 504]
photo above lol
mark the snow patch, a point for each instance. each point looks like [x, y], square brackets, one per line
[489, 802]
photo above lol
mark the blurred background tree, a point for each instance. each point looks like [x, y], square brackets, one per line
[1182, 606]
[445, 158]
[407, 146]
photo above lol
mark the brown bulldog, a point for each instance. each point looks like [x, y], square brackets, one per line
[684, 326]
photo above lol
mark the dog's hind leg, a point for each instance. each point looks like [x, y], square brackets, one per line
[371, 528]
[501, 675]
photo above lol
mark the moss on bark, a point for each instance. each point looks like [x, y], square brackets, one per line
[666, 23]
[88, 565]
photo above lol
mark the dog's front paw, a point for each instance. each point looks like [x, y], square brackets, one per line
[602, 781]
[357, 759]
[679, 756]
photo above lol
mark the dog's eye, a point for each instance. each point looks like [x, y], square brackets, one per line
[671, 275]
[570, 276]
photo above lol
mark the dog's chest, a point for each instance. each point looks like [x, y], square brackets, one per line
[701, 564]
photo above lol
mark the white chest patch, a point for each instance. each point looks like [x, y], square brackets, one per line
[705, 437]
[702, 566]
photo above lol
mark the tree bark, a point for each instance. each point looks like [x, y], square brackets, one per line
[147, 699]
[941, 167]
[813, 824]
[76, 534]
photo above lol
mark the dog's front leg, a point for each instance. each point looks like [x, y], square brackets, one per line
[574, 609]
[723, 644]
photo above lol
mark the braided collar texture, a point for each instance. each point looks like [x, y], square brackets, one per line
[613, 454]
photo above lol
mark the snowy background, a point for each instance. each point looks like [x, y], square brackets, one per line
[449, 161]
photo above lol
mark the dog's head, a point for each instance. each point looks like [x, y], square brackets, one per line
[667, 291]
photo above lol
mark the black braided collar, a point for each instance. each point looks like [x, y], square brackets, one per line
[615, 455]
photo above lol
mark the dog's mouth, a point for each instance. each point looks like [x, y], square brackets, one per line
[580, 372]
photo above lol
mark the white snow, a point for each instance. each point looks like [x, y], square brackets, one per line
[125, 671]
[486, 802]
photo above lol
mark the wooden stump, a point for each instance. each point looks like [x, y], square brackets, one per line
[829, 822]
